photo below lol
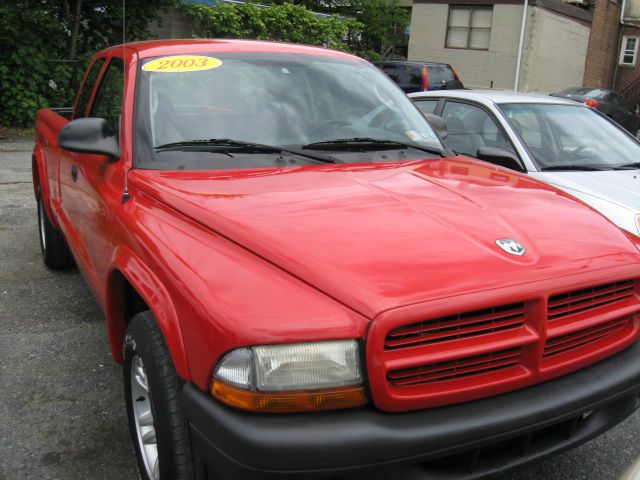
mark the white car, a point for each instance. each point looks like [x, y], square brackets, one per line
[560, 142]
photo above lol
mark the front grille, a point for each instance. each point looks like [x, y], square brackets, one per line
[582, 338]
[453, 327]
[467, 354]
[577, 301]
[456, 369]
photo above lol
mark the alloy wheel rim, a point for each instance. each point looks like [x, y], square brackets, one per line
[143, 418]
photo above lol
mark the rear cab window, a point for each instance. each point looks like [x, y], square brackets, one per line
[87, 87]
[107, 103]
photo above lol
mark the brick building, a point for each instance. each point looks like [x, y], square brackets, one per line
[601, 61]
[627, 78]
[612, 55]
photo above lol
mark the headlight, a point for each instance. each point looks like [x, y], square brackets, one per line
[291, 377]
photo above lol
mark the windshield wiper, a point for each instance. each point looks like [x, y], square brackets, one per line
[360, 142]
[586, 168]
[250, 146]
[631, 166]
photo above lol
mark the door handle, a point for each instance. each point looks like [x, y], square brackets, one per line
[74, 173]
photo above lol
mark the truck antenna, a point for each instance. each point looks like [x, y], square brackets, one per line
[125, 194]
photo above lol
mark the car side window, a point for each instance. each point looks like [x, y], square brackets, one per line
[409, 75]
[626, 104]
[107, 103]
[622, 102]
[427, 106]
[440, 74]
[615, 98]
[87, 88]
[471, 128]
[391, 71]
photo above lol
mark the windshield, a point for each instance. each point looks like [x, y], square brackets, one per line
[560, 136]
[272, 99]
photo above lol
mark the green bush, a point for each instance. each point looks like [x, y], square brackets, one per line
[285, 22]
[41, 65]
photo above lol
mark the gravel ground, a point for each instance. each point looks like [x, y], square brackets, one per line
[61, 400]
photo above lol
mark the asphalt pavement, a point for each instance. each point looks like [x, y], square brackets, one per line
[62, 412]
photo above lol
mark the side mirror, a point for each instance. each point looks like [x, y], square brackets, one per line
[501, 157]
[89, 135]
[438, 124]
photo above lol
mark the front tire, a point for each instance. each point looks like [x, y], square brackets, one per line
[54, 248]
[153, 393]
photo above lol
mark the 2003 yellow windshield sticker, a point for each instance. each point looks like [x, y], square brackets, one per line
[182, 63]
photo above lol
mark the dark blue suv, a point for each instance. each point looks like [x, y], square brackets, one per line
[421, 76]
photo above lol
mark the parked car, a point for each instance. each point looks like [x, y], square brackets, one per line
[560, 142]
[611, 103]
[421, 76]
[300, 282]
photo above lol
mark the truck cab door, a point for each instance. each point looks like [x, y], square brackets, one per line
[92, 184]
[52, 152]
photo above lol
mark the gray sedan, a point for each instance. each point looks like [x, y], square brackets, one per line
[560, 142]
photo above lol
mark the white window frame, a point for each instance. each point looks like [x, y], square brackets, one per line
[469, 27]
[625, 52]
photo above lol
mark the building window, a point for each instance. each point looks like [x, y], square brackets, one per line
[469, 27]
[629, 51]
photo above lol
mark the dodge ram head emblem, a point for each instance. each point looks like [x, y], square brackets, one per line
[510, 246]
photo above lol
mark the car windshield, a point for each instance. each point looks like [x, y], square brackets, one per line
[273, 99]
[571, 136]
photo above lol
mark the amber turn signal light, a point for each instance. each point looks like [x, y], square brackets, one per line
[289, 401]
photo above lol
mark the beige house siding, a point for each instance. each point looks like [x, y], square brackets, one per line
[555, 52]
[553, 43]
[494, 68]
[632, 10]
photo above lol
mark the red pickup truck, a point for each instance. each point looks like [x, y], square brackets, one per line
[301, 282]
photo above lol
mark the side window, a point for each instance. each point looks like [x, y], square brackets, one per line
[627, 105]
[427, 106]
[391, 71]
[616, 99]
[409, 75]
[470, 128]
[622, 102]
[439, 74]
[87, 88]
[108, 100]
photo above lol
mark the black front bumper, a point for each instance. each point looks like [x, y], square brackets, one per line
[467, 441]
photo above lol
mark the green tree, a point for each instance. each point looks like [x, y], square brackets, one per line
[284, 22]
[46, 44]
[384, 22]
